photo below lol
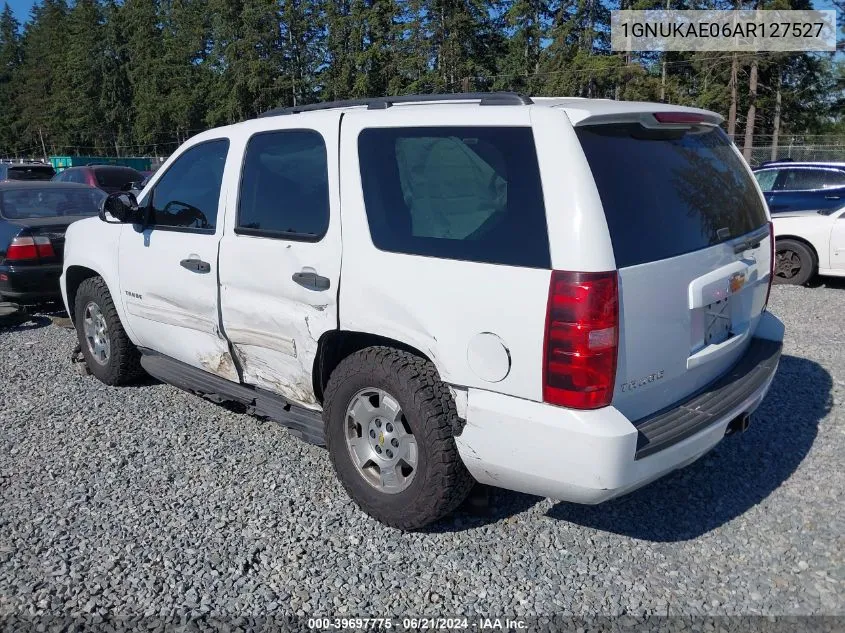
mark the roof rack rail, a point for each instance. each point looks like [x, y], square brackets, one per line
[382, 103]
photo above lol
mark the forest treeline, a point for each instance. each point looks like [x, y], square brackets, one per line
[140, 76]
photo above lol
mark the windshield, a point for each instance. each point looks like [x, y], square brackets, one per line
[18, 204]
[667, 193]
[31, 172]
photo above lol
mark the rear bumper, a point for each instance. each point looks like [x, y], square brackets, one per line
[592, 456]
[38, 282]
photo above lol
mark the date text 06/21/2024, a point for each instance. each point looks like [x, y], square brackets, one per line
[419, 623]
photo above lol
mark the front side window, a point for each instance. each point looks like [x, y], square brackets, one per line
[465, 193]
[285, 186]
[188, 195]
[766, 178]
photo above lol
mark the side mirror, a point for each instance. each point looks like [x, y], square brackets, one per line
[122, 207]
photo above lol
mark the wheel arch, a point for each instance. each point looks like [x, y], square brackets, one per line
[335, 345]
[802, 240]
[74, 276]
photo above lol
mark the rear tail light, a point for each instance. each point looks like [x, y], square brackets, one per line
[581, 340]
[30, 248]
[771, 262]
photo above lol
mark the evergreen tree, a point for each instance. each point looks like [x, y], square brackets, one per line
[78, 81]
[10, 62]
[115, 98]
[42, 115]
[526, 21]
[145, 70]
[121, 76]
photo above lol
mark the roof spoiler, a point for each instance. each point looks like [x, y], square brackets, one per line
[681, 118]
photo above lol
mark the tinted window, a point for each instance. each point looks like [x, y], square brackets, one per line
[52, 202]
[74, 175]
[30, 172]
[284, 186]
[188, 195]
[766, 179]
[468, 193]
[666, 193]
[116, 177]
[804, 179]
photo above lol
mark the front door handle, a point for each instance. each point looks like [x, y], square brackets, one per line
[311, 280]
[831, 197]
[195, 265]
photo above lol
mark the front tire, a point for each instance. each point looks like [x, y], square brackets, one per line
[389, 430]
[795, 263]
[108, 352]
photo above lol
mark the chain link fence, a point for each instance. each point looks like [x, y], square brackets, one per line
[810, 148]
[813, 153]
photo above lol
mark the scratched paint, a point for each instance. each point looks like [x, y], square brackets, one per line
[271, 371]
[220, 365]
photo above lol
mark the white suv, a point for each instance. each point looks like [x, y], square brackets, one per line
[564, 297]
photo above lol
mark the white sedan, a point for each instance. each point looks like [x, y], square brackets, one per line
[807, 243]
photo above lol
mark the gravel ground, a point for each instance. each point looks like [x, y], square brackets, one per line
[149, 501]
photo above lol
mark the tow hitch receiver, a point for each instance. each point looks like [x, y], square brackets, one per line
[739, 424]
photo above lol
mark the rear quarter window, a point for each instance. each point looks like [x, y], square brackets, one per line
[667, 193]
[464, 193]
[116, 177]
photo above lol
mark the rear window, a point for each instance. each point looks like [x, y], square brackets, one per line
[669, 193]
[116, 177]
[18, 204]
[465, 193]
[31, 172]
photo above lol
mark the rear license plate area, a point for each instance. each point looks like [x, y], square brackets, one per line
[717, 322]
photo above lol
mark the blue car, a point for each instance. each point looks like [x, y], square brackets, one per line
[792, 186]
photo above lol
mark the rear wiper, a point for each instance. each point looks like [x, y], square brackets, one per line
[752, 241]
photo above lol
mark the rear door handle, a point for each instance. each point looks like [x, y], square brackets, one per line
[831, 197]
[311, 280]
[195, 265]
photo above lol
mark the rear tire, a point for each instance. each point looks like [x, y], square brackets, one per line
[389, 429]
[108, 352]
[795, 262]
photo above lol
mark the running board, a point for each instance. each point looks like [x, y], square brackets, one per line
[304, 423]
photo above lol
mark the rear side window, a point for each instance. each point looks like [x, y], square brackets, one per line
[285, 186]
[116, 177]
[807, 179]
[666, 193]
[31, 172]
[466, 193]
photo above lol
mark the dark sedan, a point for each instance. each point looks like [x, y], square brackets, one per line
[109, 178]
[793, 186]
[33, 219]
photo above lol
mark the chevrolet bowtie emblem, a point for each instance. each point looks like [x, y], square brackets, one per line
[736, 282]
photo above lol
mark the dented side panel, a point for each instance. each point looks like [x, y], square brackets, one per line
[273, 322]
